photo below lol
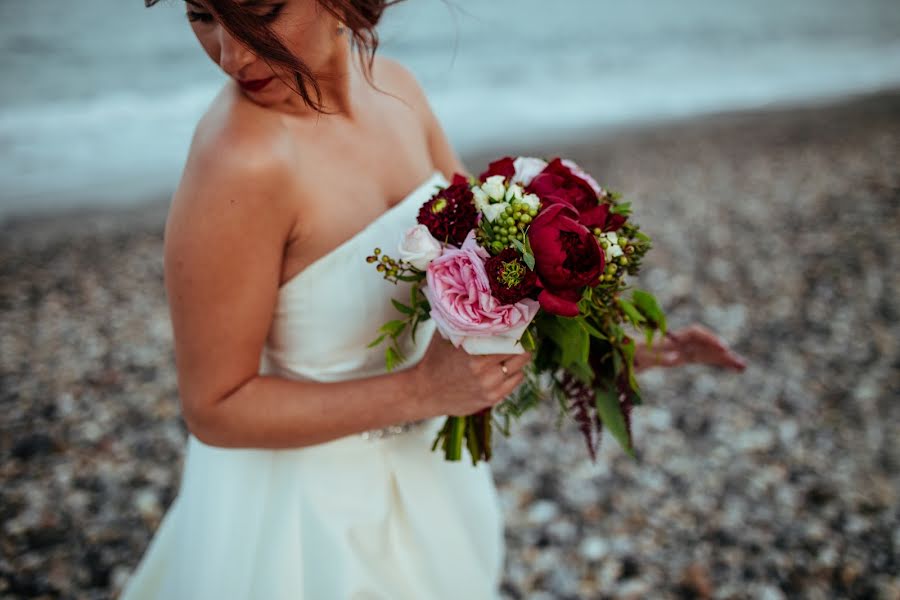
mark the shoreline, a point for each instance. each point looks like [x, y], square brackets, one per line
[97, 219]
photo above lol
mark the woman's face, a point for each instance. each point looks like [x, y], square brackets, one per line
[307, 30]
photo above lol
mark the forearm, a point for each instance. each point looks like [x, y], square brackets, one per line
[275, 412]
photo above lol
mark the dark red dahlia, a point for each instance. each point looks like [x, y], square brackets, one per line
[450, 214]
[511, 280]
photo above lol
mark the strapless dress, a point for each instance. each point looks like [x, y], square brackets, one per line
[364, 517]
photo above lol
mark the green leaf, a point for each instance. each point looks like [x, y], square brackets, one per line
[571, 338]
[630, 311]
[393, 328]
[392, 358]
[527, 255]
[583, 372]
[593, 330]
[621, 209]
[528, 342]
[649, 307]
[613, 419]
[410, 278]
[529, 261]
[377, 341]
[406, 310]
[628, 354]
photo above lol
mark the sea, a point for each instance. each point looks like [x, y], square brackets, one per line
[99, 98]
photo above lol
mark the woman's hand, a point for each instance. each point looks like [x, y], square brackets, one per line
[692, 345]
[454, 383]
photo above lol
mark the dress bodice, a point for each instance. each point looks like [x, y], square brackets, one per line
[327, 314]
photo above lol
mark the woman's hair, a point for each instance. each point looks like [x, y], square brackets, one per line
[359, 16]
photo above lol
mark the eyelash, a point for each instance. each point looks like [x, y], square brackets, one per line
[269, 17]
[196, 17]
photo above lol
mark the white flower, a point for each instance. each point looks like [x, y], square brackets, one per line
[418, 247]
[481, 198]
[531, 201]
[527, 169]
[612, 250]
[495, 187]
[492, 211]
[514, 192]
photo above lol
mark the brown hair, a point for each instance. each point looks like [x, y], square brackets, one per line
[359, 16]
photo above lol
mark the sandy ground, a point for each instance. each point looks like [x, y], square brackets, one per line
[780, 229]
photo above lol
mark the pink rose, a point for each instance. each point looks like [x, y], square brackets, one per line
[463, 308]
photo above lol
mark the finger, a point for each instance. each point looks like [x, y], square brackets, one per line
[519, 362]
[487, 362]
[506, 387]
[733, 360]
[670, 359]
[495, 374]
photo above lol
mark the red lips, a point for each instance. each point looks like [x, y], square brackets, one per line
[255, 85]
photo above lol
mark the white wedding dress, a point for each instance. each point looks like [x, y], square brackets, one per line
[360, 517]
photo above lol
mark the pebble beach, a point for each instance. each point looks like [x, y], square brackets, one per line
[780, 229]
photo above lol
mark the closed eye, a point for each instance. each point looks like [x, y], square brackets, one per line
[199, 17]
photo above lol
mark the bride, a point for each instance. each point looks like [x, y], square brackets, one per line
[308, 472]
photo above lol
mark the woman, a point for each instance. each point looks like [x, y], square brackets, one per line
[307, 472]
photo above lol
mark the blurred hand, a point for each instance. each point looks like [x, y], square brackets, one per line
[458, 384]
[691, 345]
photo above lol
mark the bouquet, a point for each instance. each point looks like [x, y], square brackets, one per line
[531, 256]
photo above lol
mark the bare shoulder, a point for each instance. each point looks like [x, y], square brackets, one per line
[237, 143]
[237, 169]
[395, 79]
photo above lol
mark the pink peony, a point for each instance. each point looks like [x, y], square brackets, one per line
[463, 308]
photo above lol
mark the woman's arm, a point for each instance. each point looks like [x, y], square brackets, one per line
[224, 242]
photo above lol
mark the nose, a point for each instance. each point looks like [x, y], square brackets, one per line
[233, 55]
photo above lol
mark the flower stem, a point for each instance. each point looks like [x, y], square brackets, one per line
[456, 429]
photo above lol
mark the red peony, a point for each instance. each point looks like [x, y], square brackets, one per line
[511, 280]
[567, 258]
[558, 184]
[505, 166]
[450, 214]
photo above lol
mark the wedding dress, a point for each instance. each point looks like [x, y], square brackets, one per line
[363, 517]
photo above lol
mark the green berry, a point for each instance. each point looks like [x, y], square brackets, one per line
[623, 261]
[526, 218]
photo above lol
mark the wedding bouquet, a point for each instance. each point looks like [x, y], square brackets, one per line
[532, 256]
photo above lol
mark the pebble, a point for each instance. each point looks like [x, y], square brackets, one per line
[779, 482]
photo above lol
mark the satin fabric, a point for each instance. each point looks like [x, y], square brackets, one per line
[354, 518]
